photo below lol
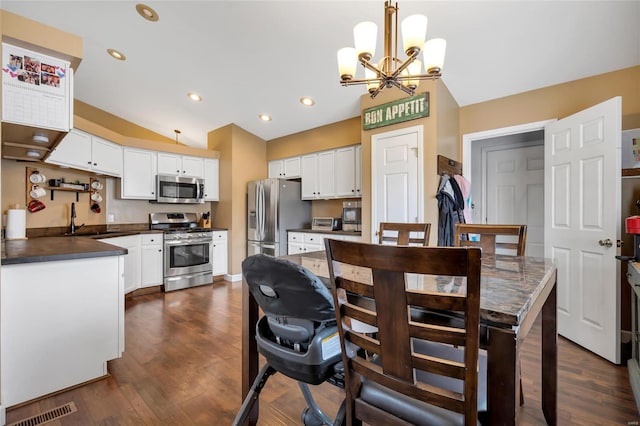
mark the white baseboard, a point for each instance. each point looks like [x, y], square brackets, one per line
[3, 415]
[625, 336]
[233, 277]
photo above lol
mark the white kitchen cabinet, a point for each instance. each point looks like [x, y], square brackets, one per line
[139, 174]
[345, 172]
[358, 168]
[287, 168]
[132, 270]
[305, 242]
[152, 256]
[180, 165]
[81, 150]
[211, 179]
[318, 178]
[219, 253]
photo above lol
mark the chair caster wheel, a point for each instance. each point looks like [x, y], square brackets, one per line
[309, 418]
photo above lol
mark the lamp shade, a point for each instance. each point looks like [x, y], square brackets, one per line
[434, 51]
[372, 85]
[414, 31]
[364, 36]
[414, 68]
[347, 62]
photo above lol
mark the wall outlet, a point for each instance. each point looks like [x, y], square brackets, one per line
[111, 218]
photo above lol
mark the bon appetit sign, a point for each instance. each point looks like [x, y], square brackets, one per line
[396, 112]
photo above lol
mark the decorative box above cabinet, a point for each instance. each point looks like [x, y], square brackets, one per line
[37, 90]
[83, 151]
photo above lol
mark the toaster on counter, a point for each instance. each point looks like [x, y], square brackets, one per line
[326, 224]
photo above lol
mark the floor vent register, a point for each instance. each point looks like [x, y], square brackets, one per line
[48, 416]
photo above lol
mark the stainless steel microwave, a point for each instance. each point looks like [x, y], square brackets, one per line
[179, 189]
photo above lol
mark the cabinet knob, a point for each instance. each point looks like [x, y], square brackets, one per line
[159, 250]
[89, 162]
[95, 164]
[177, 171]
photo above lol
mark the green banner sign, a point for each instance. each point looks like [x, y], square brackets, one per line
[396, 112]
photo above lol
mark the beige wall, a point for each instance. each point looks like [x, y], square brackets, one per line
[439, 137]
[243, 158]
[557, 101]
[57, 212]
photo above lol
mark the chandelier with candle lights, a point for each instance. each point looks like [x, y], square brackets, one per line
[390, 70]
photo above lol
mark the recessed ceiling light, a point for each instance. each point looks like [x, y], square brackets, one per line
[264, 117]
[33, 154]
[194, 97]
[146, 12]
[40, 138]
[117, 55]
[307, 101]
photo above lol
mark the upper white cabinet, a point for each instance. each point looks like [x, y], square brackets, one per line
[139, 174]
[318, 177]
[347, 172]
[83, 151]
[287, 168]
[180, 165]
[211, 182]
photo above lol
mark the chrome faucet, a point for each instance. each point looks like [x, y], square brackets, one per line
[73, 227]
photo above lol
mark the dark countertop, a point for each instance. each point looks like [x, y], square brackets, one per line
[311, 231]
[47, 249]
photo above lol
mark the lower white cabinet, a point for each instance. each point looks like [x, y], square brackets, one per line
[305, 242]
[219, 253]
[61, 321]
[131, 259]
[151, 260]
[143, 266]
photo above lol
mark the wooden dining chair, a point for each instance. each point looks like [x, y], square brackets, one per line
[488, 235]
[404, 234]
[419, 373]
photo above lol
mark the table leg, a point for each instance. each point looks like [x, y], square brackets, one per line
[550, 359]
[249, 348]
[503, 381]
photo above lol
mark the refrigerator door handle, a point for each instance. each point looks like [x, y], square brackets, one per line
[261, 217]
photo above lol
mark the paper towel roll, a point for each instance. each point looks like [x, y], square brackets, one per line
[16, 224]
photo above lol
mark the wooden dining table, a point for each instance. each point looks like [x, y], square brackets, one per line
[515, 291]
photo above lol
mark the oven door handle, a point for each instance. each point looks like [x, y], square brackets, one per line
[187, 242]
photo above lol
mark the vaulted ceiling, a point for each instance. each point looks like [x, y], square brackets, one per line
[251, 57]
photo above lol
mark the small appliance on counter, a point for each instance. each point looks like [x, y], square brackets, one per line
[352, 216]
[326, 224]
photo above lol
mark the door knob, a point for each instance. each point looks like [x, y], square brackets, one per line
[606, 243]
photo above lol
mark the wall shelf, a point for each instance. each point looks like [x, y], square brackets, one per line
[57, 188]
[630, 172]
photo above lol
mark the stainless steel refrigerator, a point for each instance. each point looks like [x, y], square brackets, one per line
[273, 207]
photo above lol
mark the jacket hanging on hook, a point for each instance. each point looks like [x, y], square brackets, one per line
[450, 209]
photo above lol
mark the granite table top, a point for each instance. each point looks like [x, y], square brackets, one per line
[509, 287]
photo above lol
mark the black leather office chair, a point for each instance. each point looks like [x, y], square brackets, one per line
[297, 335]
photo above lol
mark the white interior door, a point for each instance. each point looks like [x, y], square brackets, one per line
[582, 195]
[514, 191]
[396, 190]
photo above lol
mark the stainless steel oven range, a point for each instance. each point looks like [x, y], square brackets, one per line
[187, 250]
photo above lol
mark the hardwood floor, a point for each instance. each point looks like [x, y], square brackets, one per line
[182, 366]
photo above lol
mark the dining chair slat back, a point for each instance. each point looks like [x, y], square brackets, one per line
[488, 236]
[407, 369]
[404, 234]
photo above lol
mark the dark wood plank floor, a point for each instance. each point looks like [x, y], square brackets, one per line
[182, 366]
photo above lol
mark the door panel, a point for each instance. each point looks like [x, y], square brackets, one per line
[515, 192]
[396, 177]
[582, 192]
